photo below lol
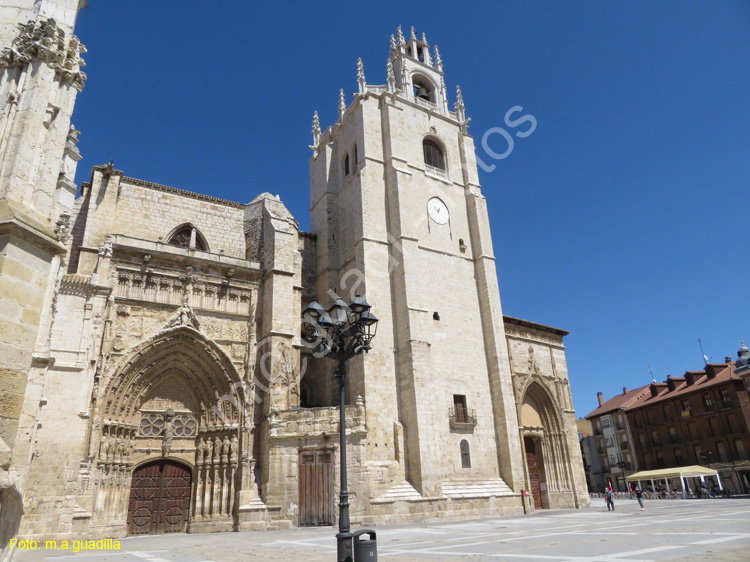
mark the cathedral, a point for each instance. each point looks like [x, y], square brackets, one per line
[154, 373]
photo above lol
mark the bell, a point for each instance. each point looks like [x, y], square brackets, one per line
[423, 93]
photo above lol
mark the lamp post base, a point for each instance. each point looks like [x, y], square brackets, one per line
[344, 547]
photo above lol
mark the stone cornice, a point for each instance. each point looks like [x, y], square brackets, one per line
[167, 189]
[16, 221]
[509, 320]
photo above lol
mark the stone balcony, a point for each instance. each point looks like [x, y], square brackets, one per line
[316, 422]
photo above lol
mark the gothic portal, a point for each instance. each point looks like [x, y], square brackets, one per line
[160, 379]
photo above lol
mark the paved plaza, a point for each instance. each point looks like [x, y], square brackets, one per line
[716, 529]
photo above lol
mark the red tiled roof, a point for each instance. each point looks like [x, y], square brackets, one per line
[620, 402]
[724, 372]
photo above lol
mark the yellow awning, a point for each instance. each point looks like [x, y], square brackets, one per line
[675, 472]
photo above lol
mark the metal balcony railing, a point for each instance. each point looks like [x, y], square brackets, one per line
[462, 418]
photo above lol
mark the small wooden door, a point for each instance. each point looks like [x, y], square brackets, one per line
[532, 465]
[316, 476]
[159, 498]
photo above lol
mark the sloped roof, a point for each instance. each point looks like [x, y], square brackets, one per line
[723, 373]
[620, 402]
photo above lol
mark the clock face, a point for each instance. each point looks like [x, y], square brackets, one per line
[438, 211]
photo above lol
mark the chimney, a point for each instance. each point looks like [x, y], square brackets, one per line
[728, 360]
[624, 389]
[600, 397]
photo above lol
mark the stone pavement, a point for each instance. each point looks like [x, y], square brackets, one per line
[692, 530]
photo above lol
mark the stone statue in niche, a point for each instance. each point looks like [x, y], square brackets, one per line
[209, 450]
[104, 447]
[168, 434]
[200, 451]
[533, 367]
[217, 449]
[234, 448]
[117, 450]
[225, 450]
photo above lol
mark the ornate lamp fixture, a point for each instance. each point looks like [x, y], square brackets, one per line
[340, 333]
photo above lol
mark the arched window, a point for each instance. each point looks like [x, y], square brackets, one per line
[187, 236]
[465, 454]
[433, 155]
[346, 164]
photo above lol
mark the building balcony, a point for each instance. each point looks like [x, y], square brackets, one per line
[462, 419]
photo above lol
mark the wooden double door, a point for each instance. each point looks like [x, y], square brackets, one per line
[533, 463]
[159, 498]
[316, 491]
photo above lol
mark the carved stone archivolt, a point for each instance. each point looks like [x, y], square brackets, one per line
[185, 354]
[176, 395]
[44, 41]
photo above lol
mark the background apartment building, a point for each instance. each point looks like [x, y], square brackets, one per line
[701, 418]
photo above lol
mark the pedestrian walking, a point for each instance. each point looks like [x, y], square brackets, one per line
[610, 497]
[639, 496]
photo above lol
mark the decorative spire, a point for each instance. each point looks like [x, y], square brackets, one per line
[413, 34]
[393, 43]
[424, 40]
[401, 41]
[438, 60]
[361, 77]
[444, 93]
[316, 131]
[342, 104]
[391, 77]
[459, 108]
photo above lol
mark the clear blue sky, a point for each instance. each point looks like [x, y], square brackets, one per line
[623, 218]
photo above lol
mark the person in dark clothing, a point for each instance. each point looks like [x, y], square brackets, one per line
[609, 495]
[639, 497]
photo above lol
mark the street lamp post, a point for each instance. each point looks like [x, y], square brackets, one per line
[621, 465]
[340, 333]
[589, 478]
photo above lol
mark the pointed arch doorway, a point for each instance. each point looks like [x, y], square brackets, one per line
[549, 476]
[159, 498]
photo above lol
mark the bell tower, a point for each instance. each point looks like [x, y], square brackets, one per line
[400, 217]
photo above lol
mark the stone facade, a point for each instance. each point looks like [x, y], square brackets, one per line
[154, 335]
